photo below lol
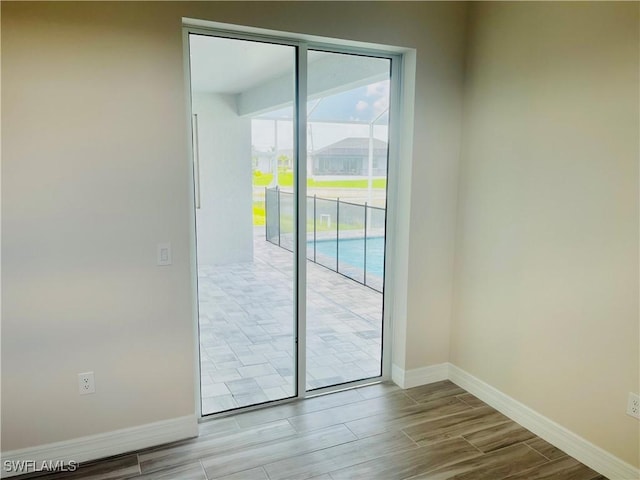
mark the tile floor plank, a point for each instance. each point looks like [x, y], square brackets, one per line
[432, 391]
[190, 471]
[323, 461]
[175, 455]
[242, 459]
[394, 419]
[411, 462]
[498, 436]
[314, 404]
[545, 448]
[257, 473]
[454, 425]
[218, 426]
[471, 400]
[352, 411]
[495, 465]
[377, 390]
[565, 468]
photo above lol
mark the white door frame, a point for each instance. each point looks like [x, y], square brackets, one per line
[303, 43]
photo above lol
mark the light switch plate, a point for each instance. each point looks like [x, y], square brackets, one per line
[164, 254]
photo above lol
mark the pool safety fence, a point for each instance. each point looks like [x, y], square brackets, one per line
[342, 236]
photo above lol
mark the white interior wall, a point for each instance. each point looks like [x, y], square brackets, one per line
[225, 219]
[95, 173]
[94, 176]
[546, 302]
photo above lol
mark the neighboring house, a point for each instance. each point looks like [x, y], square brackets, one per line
[263, 160]
[350, 156]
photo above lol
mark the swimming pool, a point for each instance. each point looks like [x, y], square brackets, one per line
[351, 251]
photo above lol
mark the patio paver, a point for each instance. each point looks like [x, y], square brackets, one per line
[246, 329]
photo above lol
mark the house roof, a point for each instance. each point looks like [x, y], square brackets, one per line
[353, 146]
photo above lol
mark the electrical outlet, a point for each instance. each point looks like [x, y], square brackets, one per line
[633, 405]
[86, 383]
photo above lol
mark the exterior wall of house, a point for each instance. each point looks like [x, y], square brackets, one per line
[224, 219]
[546, 303]
[349, 165]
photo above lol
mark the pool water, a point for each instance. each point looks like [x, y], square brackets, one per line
[351, 251]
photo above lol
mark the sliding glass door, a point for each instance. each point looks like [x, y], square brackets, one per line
[242, 96]
[290, 164]
[347, 157]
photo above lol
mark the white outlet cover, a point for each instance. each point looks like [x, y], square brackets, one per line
[86, 383]
[633, 405]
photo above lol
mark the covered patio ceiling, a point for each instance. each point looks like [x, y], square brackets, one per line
[260, 75]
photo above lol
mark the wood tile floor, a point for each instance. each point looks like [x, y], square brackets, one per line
[434, 432]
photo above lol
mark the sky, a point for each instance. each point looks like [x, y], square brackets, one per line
[349, 112]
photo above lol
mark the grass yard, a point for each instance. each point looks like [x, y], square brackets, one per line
[285, 179]
[258, 213]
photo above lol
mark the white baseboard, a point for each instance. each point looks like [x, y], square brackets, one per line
[103, 445]
[586, 452]
[419, 376]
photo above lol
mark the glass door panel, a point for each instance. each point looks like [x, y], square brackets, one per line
[347, 156]
[242, 95]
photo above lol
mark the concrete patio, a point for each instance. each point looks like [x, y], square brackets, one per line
[247, 332]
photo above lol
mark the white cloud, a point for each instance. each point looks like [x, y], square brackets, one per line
[361, 105]
[379, 89]
[380, 105]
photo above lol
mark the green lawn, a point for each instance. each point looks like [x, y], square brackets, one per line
[258, 213]
[285, 179]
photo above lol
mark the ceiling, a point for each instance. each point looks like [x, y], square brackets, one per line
[229, 66]
[261, 77]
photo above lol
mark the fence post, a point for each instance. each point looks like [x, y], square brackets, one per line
[278, 205]
[314, 228]
[365, 242]
[338, 235]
